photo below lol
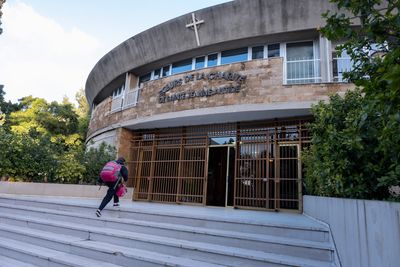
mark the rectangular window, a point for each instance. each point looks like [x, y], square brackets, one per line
[341, 63]
[157, 74]
[257, 52]
[200, 63]
[301, 67]
[118, 92]
[144, 78]
[212, 60]
[300, 51]
[273, 50]
[117, 98]
[165, 71]
[182, 66]
[234, 55]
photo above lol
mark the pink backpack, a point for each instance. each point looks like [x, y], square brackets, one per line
[121, 190]
[110, 171]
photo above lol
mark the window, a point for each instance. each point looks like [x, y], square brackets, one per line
[117, 98]
[341, 63]
[200, 63]
[144, 78]
[301, 67]
[257, 52]
[157, 74]
[182, 66]
[212, 60]
[299, 51]
[118, 92]
[234, 55]
[166, 71]
[273, 50]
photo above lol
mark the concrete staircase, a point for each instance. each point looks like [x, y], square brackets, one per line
[51, 231]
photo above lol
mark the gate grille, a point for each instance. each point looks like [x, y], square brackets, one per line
[171, 165]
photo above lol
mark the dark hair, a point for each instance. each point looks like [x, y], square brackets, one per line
[121, 160]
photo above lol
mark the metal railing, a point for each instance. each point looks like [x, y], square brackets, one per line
[131, 98]
[303, 71]
[116, 103]
[341, 65]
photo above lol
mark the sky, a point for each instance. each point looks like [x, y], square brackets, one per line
[48, 47]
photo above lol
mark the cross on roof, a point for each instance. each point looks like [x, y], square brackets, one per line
[194, 25]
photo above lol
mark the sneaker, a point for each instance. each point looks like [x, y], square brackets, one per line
[98, 213]
[116, 204]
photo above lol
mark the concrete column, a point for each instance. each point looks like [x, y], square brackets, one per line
[326, 59]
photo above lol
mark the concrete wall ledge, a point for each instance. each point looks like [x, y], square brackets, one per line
[366, 232]
[50, 189]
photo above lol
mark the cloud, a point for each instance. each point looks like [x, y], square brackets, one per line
[41, 58]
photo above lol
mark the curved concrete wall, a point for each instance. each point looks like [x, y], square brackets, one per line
[225, 26]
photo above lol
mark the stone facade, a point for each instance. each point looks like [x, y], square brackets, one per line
[263, 85]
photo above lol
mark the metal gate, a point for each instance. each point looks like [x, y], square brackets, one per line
[170, 169]
[173, 166]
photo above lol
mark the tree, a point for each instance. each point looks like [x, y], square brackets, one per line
[36, 113]
[357, 152]
[83, 112]
[6, 108]
[1, 13]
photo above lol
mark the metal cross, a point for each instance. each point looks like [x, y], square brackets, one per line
[195, 23]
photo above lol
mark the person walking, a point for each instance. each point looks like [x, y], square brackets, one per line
[118, 169]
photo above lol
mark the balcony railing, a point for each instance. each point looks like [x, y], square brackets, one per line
[341, 65]
[303, 71]
[131, 98]
[120, 102]
[116, 103]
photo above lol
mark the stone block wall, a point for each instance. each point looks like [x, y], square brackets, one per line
[263, 85]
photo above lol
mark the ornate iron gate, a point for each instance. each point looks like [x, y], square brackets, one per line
[173, 166]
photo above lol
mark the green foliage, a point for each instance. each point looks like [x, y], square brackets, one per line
[94, 160]
[355, 149]
[83, 112]
[51, 118]
[342, 161]
[44, 142]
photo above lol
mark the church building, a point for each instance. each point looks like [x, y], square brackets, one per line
[211, 108]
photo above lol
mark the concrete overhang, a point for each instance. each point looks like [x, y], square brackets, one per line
[226, 26]
[215, 115]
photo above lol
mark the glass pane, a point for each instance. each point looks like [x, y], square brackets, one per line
[144, 78]
[299, 51]
[222, 140]
[157, 74]
[212, 60]
[273, 50]
[235, 55]
[257, 52]
[165, 71]
[341, 63]
[182, 66]
[200, 62]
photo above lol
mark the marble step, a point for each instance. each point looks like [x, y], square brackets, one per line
[10, 262]
[129, 256]
[115, 234]
[286, 225]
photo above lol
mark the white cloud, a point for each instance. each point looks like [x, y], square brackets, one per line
[39, 57]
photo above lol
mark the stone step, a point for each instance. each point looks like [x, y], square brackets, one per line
[127, 255]
[151, 234]
[284, 225]
[41, 256]
[10, 262]
[268, 244]
[59, 250]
